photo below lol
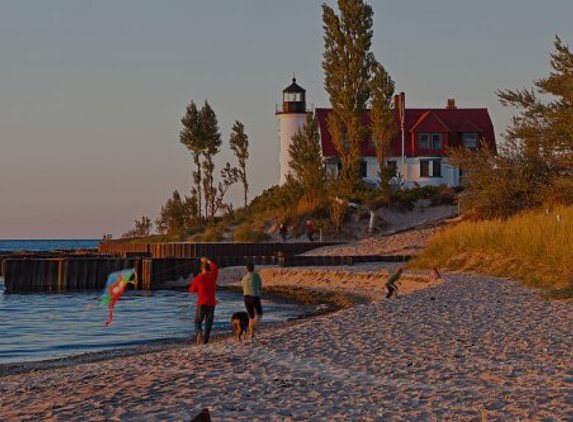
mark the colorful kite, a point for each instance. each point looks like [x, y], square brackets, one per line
[114, 288]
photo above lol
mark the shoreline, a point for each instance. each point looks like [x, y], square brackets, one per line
[471, 347]
[325, 303]
[324, 287]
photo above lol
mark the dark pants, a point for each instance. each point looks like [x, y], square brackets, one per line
[204, 313]
[309, 236]
[391, 289]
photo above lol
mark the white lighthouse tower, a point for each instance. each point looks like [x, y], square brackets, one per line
[292, 117]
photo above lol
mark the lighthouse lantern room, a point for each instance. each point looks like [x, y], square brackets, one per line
[292, 117]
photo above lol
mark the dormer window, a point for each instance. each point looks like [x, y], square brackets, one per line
[470, 140]
[430, 141]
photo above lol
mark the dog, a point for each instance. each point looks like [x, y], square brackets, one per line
[240, 323]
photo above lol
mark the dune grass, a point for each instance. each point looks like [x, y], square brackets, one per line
[533, 247]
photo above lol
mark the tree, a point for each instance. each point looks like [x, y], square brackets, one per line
[497, 185]
[338, 200]
[383, 122]
[175, 216]
[229, 176]
[211, 143]
[306, 161]
[534, 164]
[240, 146]
[192, 137]
[544, 126]
[347, 69]
[142, 228]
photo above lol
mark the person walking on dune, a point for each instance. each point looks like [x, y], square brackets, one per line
[252, 285]
[391, 282]
[309, 230]
[283, 231]
[205, 285]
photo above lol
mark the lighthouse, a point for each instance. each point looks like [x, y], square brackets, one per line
[292, 116]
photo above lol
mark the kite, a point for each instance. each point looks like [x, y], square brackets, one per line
[114, 288]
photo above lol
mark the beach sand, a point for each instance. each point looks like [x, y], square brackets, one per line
[471, 348]
[366, 281]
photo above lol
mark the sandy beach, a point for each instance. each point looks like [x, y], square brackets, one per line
[472, 348]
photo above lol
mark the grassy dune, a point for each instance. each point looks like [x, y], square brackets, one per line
[532, 247]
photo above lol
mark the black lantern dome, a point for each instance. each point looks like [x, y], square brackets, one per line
[294, 98]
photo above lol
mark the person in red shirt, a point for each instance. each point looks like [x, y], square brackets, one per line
[309, 230]
[205, 285]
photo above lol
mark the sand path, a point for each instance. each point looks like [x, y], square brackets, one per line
[473, 348]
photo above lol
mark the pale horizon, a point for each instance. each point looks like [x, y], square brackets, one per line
[93, 93]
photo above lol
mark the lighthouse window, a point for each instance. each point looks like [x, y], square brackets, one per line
[292, 96]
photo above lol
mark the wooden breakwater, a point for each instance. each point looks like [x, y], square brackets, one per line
[337, 260]
[157, 265]
[212, 250]
[74, 274]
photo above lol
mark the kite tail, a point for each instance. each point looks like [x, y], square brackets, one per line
[110, 317]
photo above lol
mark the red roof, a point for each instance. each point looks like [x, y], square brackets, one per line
[451, 122]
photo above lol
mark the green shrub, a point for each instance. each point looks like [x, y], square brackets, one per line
[246, 233]
[209, 234]
[438, 195]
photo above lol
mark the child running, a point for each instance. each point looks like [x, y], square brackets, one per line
[391, 282]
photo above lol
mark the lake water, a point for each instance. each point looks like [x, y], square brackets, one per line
[39, 326]
[46, 245]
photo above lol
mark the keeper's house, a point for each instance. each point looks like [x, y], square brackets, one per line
[419, 150]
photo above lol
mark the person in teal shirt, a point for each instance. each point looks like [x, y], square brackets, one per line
[252, 285]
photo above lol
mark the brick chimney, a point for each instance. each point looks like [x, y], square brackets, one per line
[451, 103]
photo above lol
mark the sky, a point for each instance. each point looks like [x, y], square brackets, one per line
[92, 92]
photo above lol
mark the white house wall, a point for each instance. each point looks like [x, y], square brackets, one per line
[450, 174]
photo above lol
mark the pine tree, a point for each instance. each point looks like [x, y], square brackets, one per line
[173, 216]
[383, 122]
[142, 228]
[347, 66]
[239, 142]
[534, 164]
[544, 126]
[191, 136]
[306, 161]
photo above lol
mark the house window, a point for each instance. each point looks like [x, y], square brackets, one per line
[370, 142]
[424, 141]
[424, 168]
[430, 168]
[392, 167]
[430, 141]
[470, 140]
[437, 168]
[436, 141]
[363, 169]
